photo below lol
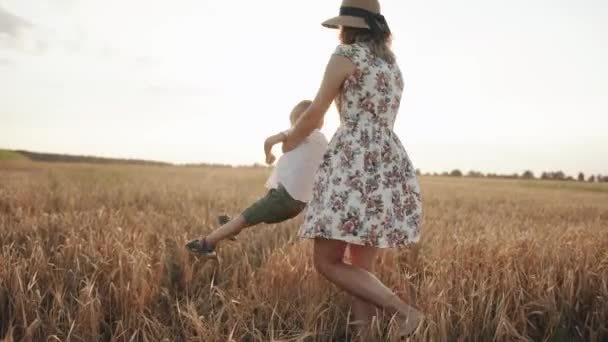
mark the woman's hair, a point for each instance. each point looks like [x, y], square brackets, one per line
[380, 43]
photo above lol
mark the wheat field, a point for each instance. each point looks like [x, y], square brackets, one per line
[95, 253]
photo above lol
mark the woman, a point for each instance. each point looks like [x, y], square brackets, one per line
[366, 196]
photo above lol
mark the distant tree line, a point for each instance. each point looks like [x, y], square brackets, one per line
[211, 165]
[66, 158]
[549, 175]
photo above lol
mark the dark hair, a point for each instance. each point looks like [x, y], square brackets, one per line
[379, 43]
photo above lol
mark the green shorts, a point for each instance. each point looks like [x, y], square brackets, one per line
[277, 206]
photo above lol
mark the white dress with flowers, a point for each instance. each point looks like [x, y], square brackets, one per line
[365, 190]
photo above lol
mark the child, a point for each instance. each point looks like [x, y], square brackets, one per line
[290, 187]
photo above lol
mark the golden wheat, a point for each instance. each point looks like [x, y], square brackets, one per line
[96, 253]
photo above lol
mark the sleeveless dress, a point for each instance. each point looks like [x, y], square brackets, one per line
[365, 190]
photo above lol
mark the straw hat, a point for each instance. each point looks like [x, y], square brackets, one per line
[350, 19]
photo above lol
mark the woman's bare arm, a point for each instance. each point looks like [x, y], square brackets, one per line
[337, 70]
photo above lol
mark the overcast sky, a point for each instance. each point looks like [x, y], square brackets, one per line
[491, 85]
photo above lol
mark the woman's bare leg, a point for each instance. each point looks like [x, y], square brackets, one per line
[232, 228]
[363, 258]
[360, 283]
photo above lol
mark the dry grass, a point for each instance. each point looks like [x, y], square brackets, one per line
[95, 253]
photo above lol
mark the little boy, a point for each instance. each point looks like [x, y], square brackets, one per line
[290, 187]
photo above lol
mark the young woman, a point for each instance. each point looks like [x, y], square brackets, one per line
[365, 196]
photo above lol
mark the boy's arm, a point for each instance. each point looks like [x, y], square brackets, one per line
[270, 142]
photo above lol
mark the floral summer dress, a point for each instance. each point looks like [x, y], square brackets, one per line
[365, 189]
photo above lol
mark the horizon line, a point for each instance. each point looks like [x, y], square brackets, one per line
[131, 160]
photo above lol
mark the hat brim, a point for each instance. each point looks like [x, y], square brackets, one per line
[345, 20]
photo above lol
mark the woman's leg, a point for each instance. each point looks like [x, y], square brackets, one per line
[359, 282]
[364, 258]
[232, 228]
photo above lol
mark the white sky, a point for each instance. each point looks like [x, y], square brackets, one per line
[491, 85]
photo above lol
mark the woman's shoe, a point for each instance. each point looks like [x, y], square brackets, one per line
[410, 324]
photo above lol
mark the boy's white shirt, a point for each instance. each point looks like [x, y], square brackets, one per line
[296, 169]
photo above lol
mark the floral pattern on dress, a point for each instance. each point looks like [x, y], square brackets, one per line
[365, 190]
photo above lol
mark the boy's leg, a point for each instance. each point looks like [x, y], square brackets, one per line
[222, 220]
[277, 206]
[253, 215]
[206, 245]
[233, 227]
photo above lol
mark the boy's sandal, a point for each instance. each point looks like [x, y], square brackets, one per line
[201, 248]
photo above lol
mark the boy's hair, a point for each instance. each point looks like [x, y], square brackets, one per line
[298, 110]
